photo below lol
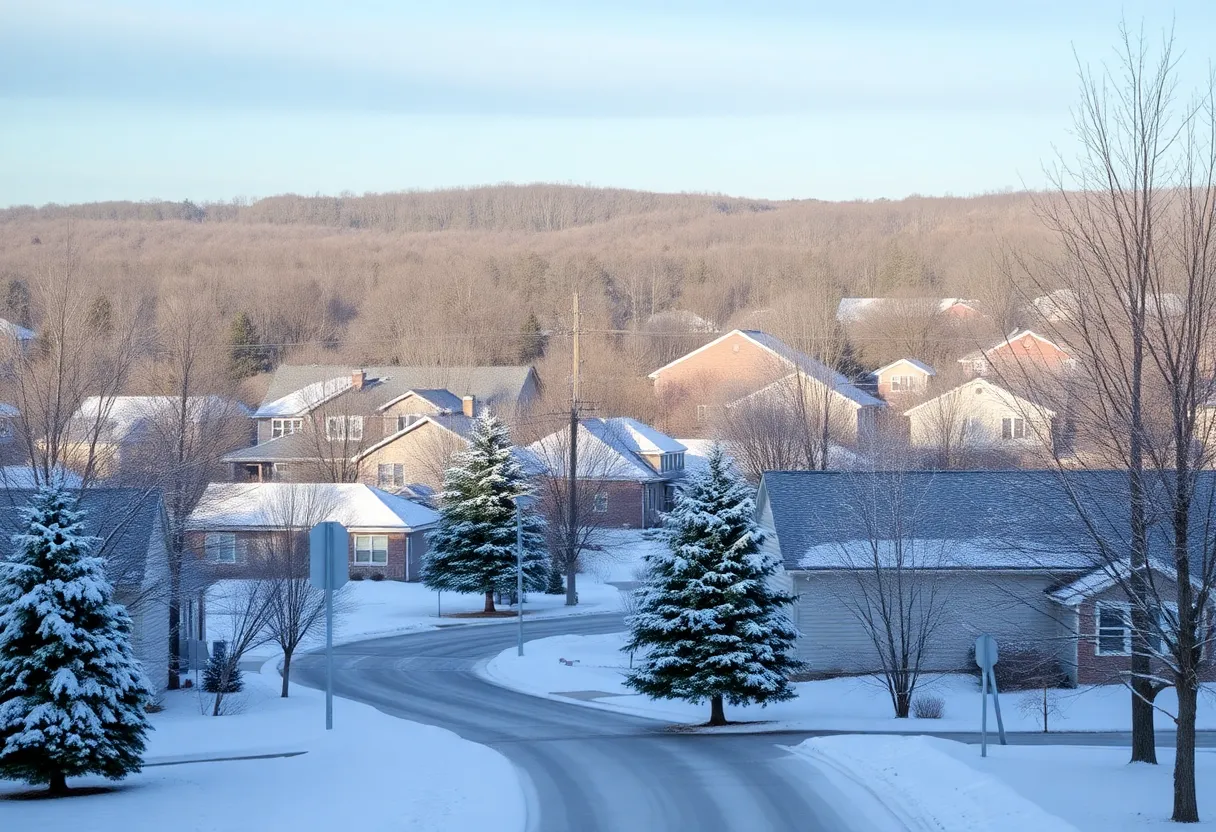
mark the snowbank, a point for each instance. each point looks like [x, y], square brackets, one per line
[849, 704]
[925, 787]
[381, 772]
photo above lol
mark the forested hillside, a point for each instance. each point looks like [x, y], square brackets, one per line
[487, 274]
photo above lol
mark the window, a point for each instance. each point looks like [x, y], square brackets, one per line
[669, 497]
[390, 475]
[371, 548]
[354, 429]
[600, 503]
[1114, 629]
[1163, 630]
[902, 384]
[280, 471]
[702, 414]
[343, 427]
[671, 462]
[283, 427]
[220, 547]
[1013, 428]
[404, 421]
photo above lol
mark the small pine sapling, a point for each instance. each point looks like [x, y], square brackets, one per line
[222, 674]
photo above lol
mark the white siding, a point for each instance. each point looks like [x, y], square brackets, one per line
[1012, 606]
[149, 611]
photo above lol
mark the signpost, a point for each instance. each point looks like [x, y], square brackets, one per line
[986, 657]
[328, 554]
[522, 501]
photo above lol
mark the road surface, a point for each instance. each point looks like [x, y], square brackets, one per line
[592, 770]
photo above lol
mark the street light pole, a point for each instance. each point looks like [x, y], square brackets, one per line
[519, 571]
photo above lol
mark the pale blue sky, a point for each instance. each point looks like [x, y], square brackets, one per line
[211, 100]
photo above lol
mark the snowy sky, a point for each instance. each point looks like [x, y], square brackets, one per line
[772, 98]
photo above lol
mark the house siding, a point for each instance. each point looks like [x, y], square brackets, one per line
[247, 547]
[987, 409]
[625, 504]
[424, 453]
[1011, 606]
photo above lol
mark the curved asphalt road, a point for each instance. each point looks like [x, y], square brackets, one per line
[591, 770]
[587, 770]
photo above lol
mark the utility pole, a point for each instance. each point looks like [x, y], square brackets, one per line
[572, 477]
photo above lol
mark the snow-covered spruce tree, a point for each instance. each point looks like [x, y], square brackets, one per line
[72, 694]
[473, 547]
[707, 623]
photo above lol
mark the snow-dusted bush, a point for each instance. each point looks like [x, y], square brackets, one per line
[927, 706]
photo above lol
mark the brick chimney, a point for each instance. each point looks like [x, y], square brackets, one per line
[469, 405]
[358, 378]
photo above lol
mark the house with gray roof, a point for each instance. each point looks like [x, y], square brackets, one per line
[1021, 555]
[130, 533]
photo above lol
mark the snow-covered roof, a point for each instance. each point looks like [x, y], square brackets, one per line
[850, 310]
[124, 414]
[22, 476]
[930, 553]
[1016, 335]
[8, 411]
[440, 399]
[15, 331]
[608, 449]
[300, 402]
[1102, 579]
[912, 362]
[681, 319]
[1013, 400]
[269, 505]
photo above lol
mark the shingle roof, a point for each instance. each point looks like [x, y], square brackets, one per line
[993, 519]
[441, 399]
[489, 384]
[850, 310]
[815, 369]
[124, 519]
[608, 449]
[125, 415]
[267, 505]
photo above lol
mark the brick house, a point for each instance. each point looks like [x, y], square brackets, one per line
[902, 378]
[236, 522]
[1021, 351]
[627, 471]
[1002, 552]
[742, 363]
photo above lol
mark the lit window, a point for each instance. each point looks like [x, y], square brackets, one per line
[371, 548]
[283, 427]
[1114, 629]
[220, 547]
[600, 503]
[1013, 428]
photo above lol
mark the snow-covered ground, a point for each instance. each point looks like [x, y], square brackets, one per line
[381, 772]
[848, 704]
[932, 784]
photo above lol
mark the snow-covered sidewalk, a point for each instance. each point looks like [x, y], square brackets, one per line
[925, 783]
[846, 704]
[376, 771]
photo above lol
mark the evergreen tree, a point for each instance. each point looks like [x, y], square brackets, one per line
[531, 340]
[72, 694]
[557, 578]
[246, 356]
[708, 623]
[473, 547]
[221, 675]
[17, 302]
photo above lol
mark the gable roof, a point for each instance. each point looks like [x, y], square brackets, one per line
[440, 399]
[490, 384]
[126, 415]
[262, 505]
[958, 519]
[850, 310]
[919, 365]
[796, 359]
[456, 423]
[123, 519]
[1020, 401]
[1099, 580]
[608, 449]
[1016, 335]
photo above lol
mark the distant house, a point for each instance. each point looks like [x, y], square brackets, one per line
[741, 363]
[321, 423]
[902, 377]
[1022, 351]
[629, 469]
[19, 335]
[999, 552]
[979, 414]
[234, 522]
[130, 530]
[1063, 306]
[854, 310]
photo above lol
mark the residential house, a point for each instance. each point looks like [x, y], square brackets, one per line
[741, 363]
[130, 530]
[321, 423]
[117, 433]
[1022, 352]
[627, 469]
[854, 310]
[997, 552]
[980, 416]
[236, 524]
[901, 378]
[19, 335]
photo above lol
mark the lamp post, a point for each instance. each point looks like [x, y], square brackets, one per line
[522, 501]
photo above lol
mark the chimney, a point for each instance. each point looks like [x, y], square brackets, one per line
[469, 405]
[358, 378]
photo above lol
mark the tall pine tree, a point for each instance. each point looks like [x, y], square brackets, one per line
[473, 547]
[708, 624]
[72, 694]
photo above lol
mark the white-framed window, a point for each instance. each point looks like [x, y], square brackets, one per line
[1013, 427]
[283, 427]
[220, 547]
[902, 384]
[599, 503]
[1113, 626]
[671, 462]
[354, 428]
[371, 548]
[335, 428]
[702, 414]
[403, 421]
[390, 475]
[1164, 632]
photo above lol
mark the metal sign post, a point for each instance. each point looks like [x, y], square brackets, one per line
[986, 656]
[519, 574]
[328, 548]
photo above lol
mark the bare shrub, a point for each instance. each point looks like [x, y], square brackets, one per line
[927, 706]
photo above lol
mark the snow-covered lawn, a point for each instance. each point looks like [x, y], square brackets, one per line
[374, 770]
[933, 784]
[848, 704]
